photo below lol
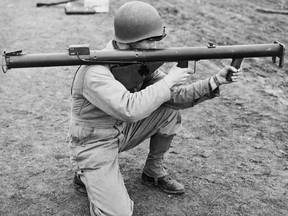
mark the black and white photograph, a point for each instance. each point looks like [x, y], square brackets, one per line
[143, 108]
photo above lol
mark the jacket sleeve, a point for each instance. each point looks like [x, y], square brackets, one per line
[185, 96]
[105, 92]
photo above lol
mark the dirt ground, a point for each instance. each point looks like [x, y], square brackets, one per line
[232, 154]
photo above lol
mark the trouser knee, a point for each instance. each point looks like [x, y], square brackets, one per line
[172, 121]
[123, 209]
[106, 191]
[164, 121]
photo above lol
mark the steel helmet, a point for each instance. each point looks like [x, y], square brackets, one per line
[136, 21]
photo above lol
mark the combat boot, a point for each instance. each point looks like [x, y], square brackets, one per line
[164, 183]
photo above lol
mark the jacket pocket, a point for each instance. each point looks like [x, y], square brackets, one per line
[80, 133]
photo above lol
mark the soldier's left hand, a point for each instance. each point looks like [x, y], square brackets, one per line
[229, 74]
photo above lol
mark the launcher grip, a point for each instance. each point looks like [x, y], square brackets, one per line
[235, 63]
[182, 64]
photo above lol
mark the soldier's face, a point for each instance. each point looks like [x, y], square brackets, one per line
[145, 44]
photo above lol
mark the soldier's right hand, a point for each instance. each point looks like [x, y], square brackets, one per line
[177, 76]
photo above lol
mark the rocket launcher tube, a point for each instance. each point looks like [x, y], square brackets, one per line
[81, 55]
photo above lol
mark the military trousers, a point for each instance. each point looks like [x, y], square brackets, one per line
[104, 183]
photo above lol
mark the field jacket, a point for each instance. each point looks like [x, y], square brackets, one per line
[98, 99]
[100, 103]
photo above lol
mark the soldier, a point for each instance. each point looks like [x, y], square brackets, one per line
[107, 118]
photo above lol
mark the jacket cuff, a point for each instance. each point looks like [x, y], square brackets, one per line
[214, 92]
